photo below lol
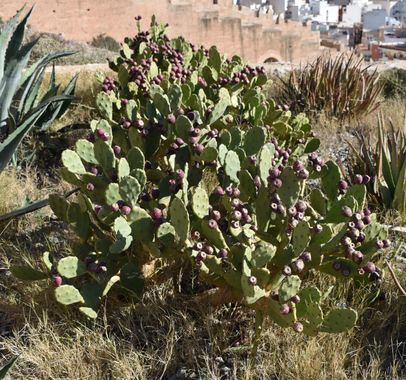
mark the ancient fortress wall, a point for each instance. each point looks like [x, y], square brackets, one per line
[257, 37]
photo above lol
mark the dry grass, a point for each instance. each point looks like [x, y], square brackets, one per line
[165, 334]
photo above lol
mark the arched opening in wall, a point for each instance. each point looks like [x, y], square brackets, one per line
[271, 60]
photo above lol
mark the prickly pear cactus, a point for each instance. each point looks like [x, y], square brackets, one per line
[190, 160]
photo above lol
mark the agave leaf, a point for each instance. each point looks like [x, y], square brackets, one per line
[12, 77]
[7, 368]
[59, 108]
[10, 144]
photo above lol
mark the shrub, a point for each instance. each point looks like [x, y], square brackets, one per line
[340, 87]
[190, 161]
[105, 42]
[394, 83]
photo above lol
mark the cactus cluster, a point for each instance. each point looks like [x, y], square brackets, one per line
[190, 160]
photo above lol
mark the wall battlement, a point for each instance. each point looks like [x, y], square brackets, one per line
[256, 36]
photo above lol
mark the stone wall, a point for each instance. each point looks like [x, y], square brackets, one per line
[255, 36]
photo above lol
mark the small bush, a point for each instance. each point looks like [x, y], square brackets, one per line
[340, 87]
[105, 42]
[394, 83]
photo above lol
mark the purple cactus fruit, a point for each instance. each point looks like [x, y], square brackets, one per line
[216, 215]
[244, 212]
[367, 219]
[346, 211]
[277, 182]
[236, 215]
[300, 216]
[361, 271]
[223, 254]
[117, 150]
[252, 280]
[343, 185]
[101, 268]
[208, 249]
[318, 168]
[301, 206]
[366, 179]
[247, 219]
[201, 256]
[287, 270]
[284, 309]
[236, 192]
[139, 124]
[171, 118]
[100, 132]
[274, 173]
[351, 225]
[306, 257]
[298, 265]
[126, 124]
[126, 210]
[298, 166]
[337, 265]
[298, 327]
[361, 237]
[275, 296]
[367, 212]
[295, 299]
[369, 267]
[195, 235]
[90, 187]
[317, 228]
[97, 208]
[235, 224]
[386, 243]
[379, 244]
[156, 214]
[213, 224]
[359, 225]
[179, 141]
[124, 102]
[274, 206]
[199, 246]
[292, 211]
[198, 148]
[57, 281]
[303, 174]
[357, 257]
[115, 207]
[353, 233]
[358, 179]
[235, 202]
[180, 174]
[346, 240]
[91, 137]
[219, 191]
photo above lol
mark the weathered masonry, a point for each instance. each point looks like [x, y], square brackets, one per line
[256, 36]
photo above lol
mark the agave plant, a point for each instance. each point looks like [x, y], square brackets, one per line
[4, 371]
[340, 86]
[23, 102]
[385, 163]
[22, 106]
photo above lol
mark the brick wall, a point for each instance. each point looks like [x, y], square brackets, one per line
[234, 31]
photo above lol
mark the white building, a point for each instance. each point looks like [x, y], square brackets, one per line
[374, 19]
[352, 14]
[323, 12]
